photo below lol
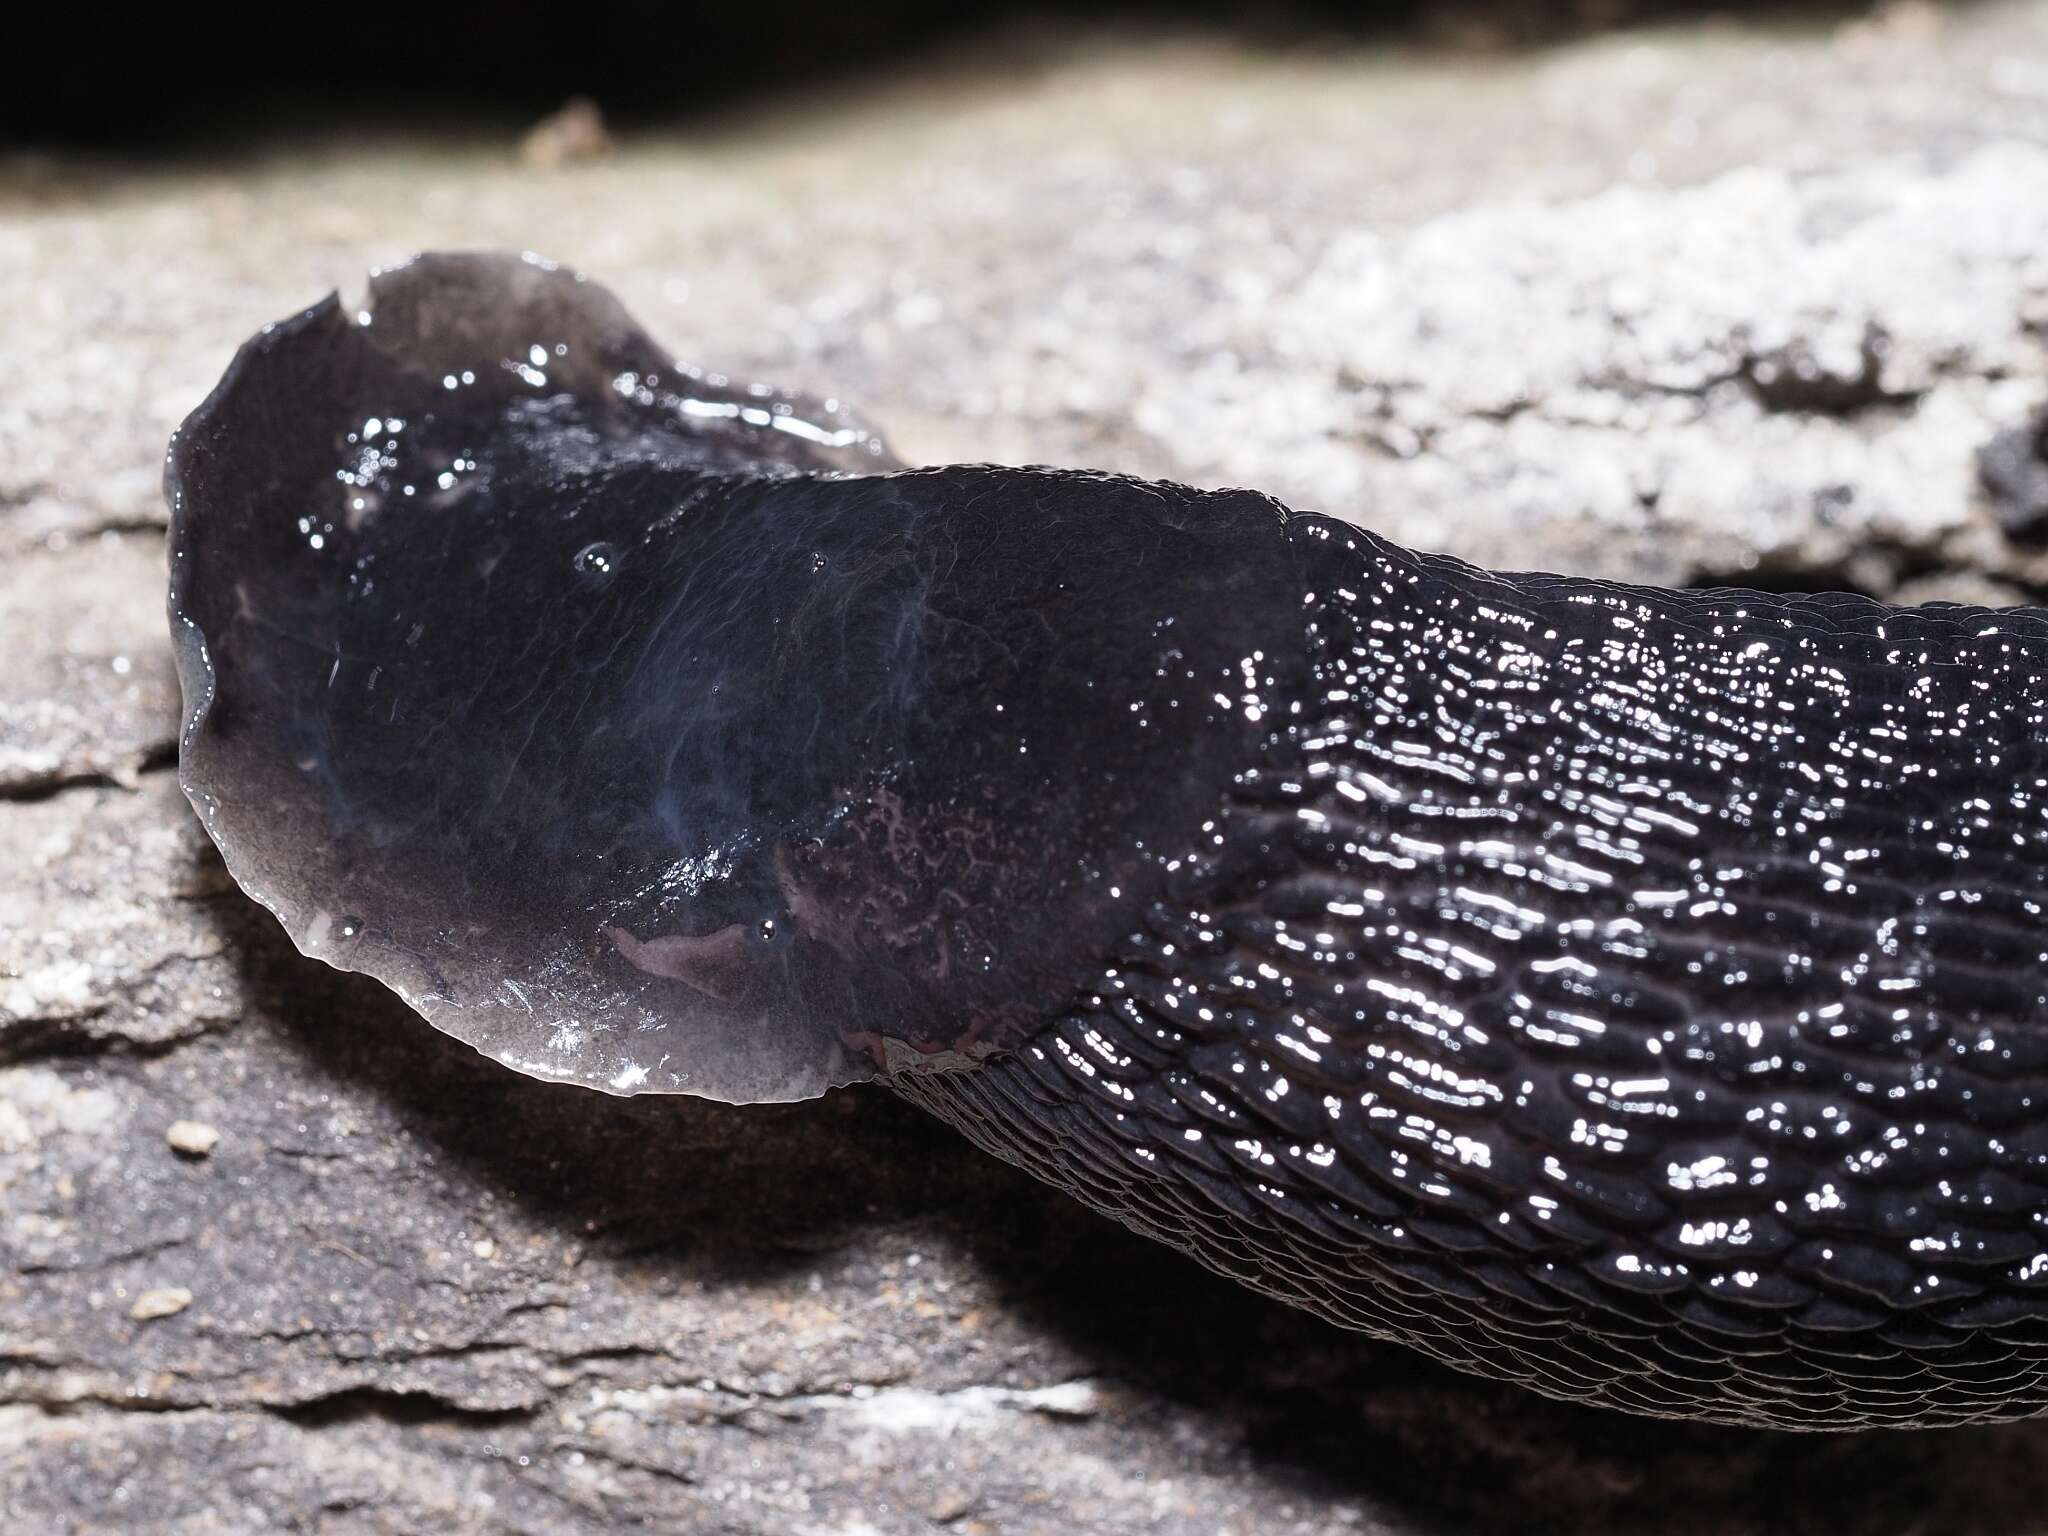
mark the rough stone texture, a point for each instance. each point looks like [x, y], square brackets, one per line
[1694, 304]
[88, 699]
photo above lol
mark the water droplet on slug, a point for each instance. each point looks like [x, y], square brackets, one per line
[597, 562]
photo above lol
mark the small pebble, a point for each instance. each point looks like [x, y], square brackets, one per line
[571, 135]
[951, 1504]
[165, 1301]
[192, 1138]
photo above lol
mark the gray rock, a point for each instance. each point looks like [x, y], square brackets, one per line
[1678, 305]
[2014, 468]
[92, 695]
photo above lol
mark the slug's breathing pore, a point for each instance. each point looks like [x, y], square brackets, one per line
[1639, 995]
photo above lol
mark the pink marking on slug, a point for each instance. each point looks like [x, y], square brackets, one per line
[716, 964]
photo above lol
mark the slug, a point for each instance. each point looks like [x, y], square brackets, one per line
[1634, 994]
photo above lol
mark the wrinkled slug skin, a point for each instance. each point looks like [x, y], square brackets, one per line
[1636, 995]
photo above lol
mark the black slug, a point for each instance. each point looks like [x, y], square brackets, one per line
[1639, 995]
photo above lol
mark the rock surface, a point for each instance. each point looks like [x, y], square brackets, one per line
[1698, 304]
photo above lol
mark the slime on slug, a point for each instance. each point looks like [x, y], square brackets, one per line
[1639, 995]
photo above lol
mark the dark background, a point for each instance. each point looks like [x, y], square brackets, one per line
[150, 78]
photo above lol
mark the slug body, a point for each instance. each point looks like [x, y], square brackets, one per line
[1638, 995]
